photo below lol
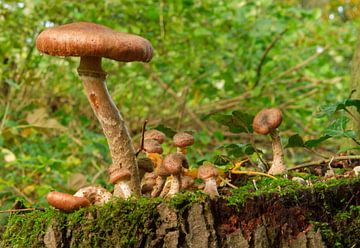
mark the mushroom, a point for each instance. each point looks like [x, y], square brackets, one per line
[95, 194]
[153, 151]
[66, 202]
[172, 165]
[147, 183]
[91, 42]
[120, 179]
[155, 135]
[266, 122]
[182, 140]
[208, 172]
[145, 165]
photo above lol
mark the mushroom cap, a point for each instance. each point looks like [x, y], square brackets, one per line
[183, 139]
[207, 171]
[152, 146]
[155, 135]
[66, 202]
[145, 164]
[122, 174]
[267, 120]
[93, 40]
[172, 165]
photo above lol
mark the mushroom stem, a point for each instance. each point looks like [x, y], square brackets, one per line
[159, 185]
[211, 187]
[181, 150]
[278, 166]
[112, 123]
[122, 189]
[175, 186]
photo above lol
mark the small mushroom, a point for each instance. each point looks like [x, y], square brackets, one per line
[155, 135]
[172, 165]
[145, 165]
[187, 183]
[208, 172]
[91, 42]
[266, 122]
[66, 202]
[121, 180]
[153, 151]
[182, 140]
[95, 194]
[357, 170]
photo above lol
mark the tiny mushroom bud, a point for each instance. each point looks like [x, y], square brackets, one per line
[267, 122]
[66, 202]
[153, 150]
[145, 165]
[155, 135]
[92, 42]
[208, 172]
[187, 182]
[120, 178]
[182, 140]
[95, 194]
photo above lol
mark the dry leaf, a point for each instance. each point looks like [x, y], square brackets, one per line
[40, 118]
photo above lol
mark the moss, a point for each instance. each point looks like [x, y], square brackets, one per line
[28, 229]
[343, 229]
[133, 222]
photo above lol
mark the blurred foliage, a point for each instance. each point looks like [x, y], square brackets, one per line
[212, 57]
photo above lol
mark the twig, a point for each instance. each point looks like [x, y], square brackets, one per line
[173, 93]
[323, 161]
[142, 138]
[301, 64]
[227, 182]
[267, 50]
[253, 173]
[21, 210]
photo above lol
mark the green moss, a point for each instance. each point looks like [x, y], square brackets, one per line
[128, 223]
[27, 230]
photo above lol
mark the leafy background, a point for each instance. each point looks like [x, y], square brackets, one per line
[210, 60]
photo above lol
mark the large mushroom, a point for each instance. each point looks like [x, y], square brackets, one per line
[91, 42]
[266, 122]
[66, 202]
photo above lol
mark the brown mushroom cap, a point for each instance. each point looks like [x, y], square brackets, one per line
[183, 139]
[172, 165]
[207, 171]
[66, 202]
[145, 164]
[122, 174]
[155, 135]
[267, 120]
[152, 146]
[85, 39]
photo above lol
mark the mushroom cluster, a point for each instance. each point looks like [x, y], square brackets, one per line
[92, 42]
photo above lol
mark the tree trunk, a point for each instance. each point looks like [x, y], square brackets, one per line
[355, 85]
[320, 216]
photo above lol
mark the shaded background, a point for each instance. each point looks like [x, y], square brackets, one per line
[212, 57]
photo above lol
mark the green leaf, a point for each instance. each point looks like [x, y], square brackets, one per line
[315, 142]
[237, 122]
[221, 160]
[295, 141]
[338, 128]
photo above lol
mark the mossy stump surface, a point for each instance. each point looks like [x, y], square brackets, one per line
[281, 213]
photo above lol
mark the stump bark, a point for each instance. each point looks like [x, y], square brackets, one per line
[313, 217]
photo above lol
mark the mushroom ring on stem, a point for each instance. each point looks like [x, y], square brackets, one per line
[91, 42]
[266, 122]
